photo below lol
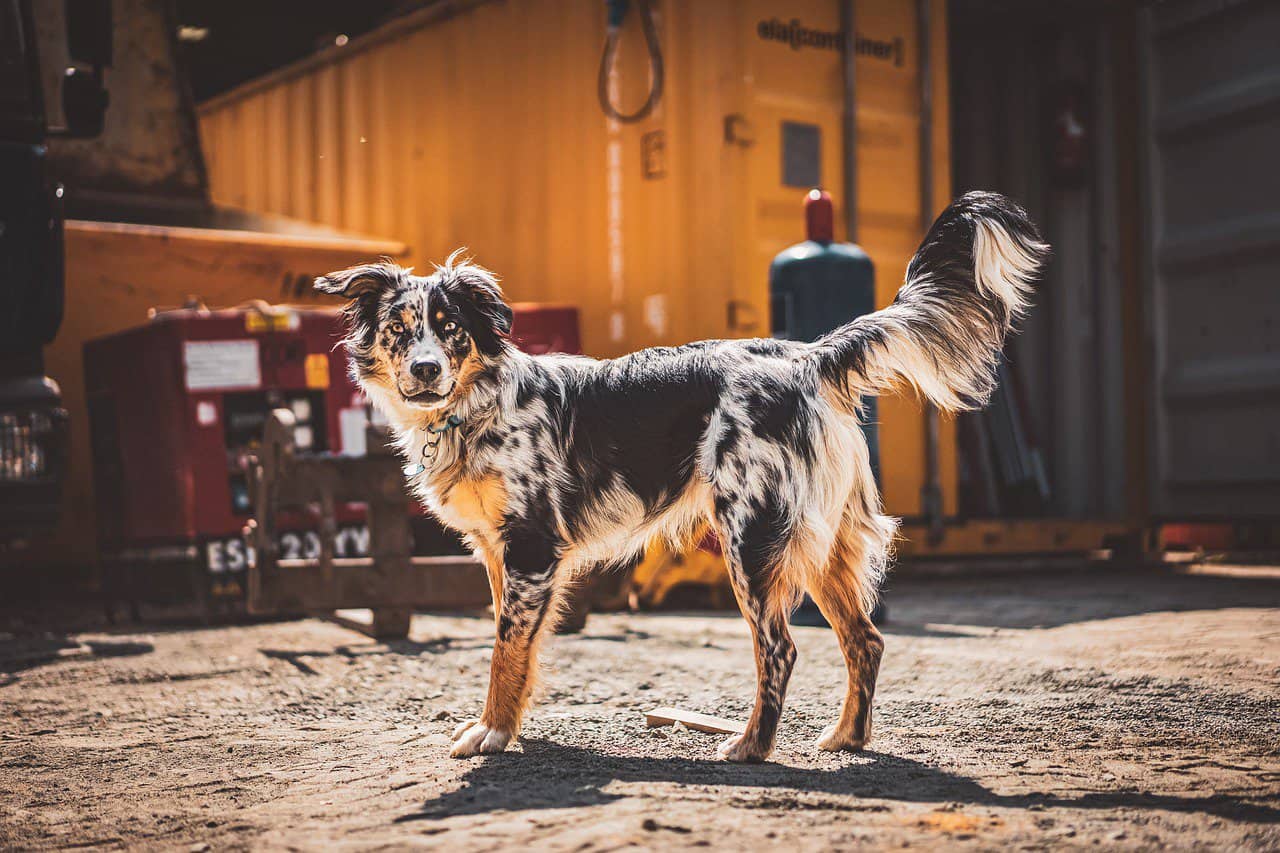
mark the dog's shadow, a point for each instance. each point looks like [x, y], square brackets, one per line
[549, 775]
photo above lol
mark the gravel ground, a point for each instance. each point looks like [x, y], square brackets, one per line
[1113, 710]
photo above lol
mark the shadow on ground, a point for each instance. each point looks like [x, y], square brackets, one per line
[918, 606]
[550, 776]
[20, 653]
[297, 658]
[1058, 598]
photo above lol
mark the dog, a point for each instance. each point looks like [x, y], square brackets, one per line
[554, 466]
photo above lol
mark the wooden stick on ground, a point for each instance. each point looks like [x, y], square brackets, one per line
[694, 720]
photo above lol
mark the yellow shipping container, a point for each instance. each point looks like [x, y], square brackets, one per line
[477, 124]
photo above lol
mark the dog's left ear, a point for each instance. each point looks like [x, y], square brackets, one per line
[359, 281]
[488, 313]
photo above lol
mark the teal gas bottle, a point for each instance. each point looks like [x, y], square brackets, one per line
[819, 285]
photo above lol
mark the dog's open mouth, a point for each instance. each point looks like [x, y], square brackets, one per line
[428, 397]
[424, 397]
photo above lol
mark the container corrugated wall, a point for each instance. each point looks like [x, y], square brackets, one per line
[476, 124]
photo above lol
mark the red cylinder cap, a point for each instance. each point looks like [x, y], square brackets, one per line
[819, 216]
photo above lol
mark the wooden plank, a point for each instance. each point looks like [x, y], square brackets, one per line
[694, 720]
[226, 239]
[380, 624]
[445, 584]
[445, 562]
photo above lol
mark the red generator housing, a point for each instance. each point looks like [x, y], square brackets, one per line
[177, 405]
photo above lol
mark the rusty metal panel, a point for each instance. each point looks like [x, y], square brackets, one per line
[150, 141]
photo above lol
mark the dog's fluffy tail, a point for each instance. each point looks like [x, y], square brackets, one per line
[967, 284]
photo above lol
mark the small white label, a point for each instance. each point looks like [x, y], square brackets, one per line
[352, 426]
[221, 365]
[234, 554]
[231, 555]
[206, 413]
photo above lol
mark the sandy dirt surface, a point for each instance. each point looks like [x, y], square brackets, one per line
[1092, 710]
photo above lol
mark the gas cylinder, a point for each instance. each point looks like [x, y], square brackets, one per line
[818, 285]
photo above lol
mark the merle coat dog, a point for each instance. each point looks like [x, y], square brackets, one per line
[553, 466]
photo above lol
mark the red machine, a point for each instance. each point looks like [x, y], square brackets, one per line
[176, 405]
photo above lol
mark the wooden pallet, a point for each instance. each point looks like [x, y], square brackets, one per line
[391, 582]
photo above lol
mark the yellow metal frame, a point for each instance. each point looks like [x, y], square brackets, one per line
[1008, 537]
[663, 570]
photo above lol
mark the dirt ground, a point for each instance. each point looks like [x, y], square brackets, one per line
[1097, 709]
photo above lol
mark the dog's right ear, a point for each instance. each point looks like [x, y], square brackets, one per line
[360, 281]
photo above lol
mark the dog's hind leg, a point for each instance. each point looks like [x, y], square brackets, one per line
[845, 594]
[524, 604]
[754, 537]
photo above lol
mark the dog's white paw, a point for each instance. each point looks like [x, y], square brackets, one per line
[739, 748]
[462, 727]
[831, 740]
[475, 738]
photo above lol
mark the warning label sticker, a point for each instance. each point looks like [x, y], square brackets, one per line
[317, 370]
[221, 365]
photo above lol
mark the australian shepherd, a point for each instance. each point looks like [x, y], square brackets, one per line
[554, 466]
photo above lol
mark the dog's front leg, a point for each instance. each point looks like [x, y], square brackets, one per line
[523, 599]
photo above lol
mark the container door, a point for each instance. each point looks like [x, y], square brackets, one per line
[793, 123]
[795, 104]
[1211, 132]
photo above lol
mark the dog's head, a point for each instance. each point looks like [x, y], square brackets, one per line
[416, 342]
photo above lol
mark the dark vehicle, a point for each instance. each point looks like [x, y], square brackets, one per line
[33, 424]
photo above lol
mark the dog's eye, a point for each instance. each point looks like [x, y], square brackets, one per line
[450, 327]
[397, 328]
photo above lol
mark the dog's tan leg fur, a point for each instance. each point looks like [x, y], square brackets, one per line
[512, 677]
[493, 568]
[836, 592]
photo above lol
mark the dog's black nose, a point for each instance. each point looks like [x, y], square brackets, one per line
[425, 370]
